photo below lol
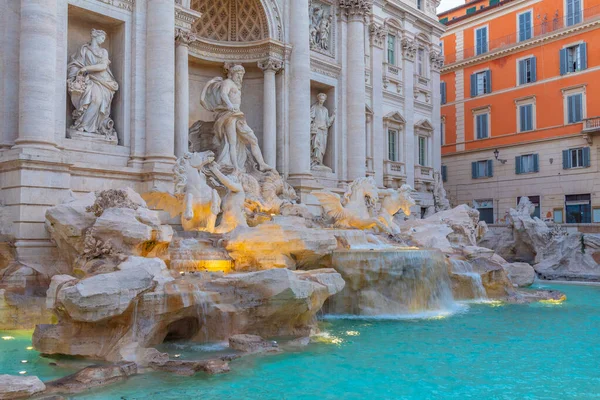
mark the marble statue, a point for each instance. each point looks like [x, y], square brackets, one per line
[356, 208]
[233, 202]
[392, 201]
[224, 96]
[196, 202]
[92, 86]
[439, 193]
[320, 27]
[320, 123]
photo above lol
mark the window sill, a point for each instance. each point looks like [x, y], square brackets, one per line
[528, 173]
[483, 177]
[566, 169]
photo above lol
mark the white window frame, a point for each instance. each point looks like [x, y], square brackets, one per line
[396, 132]
[390, 123]
[569, 92]
[487, 38]
[422, 64]
[425, 150]
[565, 11]
[527, 155]
[523, 101]
[387, 48]
[479, 111]
[577, 149]
[530, 11]
[477, 73]
[517, 70]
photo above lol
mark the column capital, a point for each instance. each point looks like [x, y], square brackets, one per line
[377, 32]
[409, 48]
[183, 37]
[270, 64]
[356, 9]
[436, 59]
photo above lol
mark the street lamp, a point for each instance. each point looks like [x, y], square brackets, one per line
[496, 154]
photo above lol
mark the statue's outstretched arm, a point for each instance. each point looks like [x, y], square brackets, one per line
[228, 183]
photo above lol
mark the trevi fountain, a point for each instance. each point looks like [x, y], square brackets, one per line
[198, 202]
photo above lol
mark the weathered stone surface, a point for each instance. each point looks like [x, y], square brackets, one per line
[285, 242]
[109, 225]
[189, 368]
[91, 377]
[18, 387]
[201, 307]
[493, 277]
[554, 253]
[252, 344]
[520, 274]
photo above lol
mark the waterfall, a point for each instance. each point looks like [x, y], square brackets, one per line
[464, 268]
[392, 282]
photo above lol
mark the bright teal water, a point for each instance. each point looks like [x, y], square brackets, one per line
[537, 351]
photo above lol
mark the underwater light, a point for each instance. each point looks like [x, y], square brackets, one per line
[22, 372]
[29, 348]
[177, 355]
[554, 301]
[23, 361]
[352, 333]
[7, 338]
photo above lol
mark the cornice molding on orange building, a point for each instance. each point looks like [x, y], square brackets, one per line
[551, 37]
[540, 82]
[507, 145]
[493, 13]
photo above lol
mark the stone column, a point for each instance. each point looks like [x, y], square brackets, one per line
[270, 67]
[409, 51]
[160, 82]
[356, 11]
[37, 74]
[182, 90]
[436, 61]
[378, 36]
[299, 90]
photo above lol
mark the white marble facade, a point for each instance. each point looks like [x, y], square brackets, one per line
[377, 62]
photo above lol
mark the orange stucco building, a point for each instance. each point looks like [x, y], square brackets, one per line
[521, 107]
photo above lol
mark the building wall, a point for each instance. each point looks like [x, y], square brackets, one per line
[551, 135]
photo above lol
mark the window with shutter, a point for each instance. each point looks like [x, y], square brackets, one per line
[481, 126]
[392, 146]
[576, 158]
[444, 173]
[526, 71]
[573, 12]
[481, 41]
[391, 49]
[574, 108]
[524, 27]
[525, 117]
[526, 164]
[443, 92]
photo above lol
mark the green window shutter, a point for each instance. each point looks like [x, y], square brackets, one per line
[490, 168]
[566, 159]
[586, 156]
[444, 20]
[471, 10]
[563, 61]
[533, 69]
[518, 165]
[522, 72]
[494, 2]
[583, 55]
[536, 163]
[474, 170]
[444, 173]
[473, 85]
[488, 81]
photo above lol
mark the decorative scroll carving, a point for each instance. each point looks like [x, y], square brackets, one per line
[184, 37]
[356, 8]
[378, 34]
[436, 60]
[409, 48]
[270, 64]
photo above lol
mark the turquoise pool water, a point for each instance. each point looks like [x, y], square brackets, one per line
[489, 351]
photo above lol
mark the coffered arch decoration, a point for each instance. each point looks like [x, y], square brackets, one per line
[238, 20]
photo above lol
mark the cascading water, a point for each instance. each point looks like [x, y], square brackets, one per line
[390, 282]
[464, 268]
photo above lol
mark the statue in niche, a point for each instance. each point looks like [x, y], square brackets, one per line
[224, 98]
[320, 27]
[92, 85]
[320, 122]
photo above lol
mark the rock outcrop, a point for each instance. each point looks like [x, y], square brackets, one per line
[554, 252]
[252, 344]
[96, 231]
[520, 274]
[19, 387]
[115, 316]
[91, 377]
[284, 242]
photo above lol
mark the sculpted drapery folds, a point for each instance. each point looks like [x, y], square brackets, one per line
[92, 86]
[320, 122]
[224, 97]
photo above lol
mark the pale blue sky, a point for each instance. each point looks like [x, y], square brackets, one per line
[448, 4]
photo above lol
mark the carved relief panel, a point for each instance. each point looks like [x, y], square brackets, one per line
[322, 27]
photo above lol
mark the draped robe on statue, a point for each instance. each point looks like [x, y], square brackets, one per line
[92, 104]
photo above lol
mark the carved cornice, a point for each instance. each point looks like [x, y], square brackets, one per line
[270, 64]
[185, 18]
[355, 9]
[409, 48]
[183, 37]
[127, 5]
[325, 68]
[239, 52]
[378, 34]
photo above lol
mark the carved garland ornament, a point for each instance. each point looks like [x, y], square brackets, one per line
[409, 49]
[436, 60]
[378, 34]
[270, 64]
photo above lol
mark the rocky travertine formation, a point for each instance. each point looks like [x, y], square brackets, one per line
[115, 316]
[520, 274]
[19, 387]
[96, 231]
[285, 242]
[554, 253]
[91, 377]
[252, 344]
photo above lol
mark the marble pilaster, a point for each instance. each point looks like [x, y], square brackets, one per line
[37, 74]
[160, 82]
[377, 35]
[182, 90]
[409, 50]
[270, 67]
